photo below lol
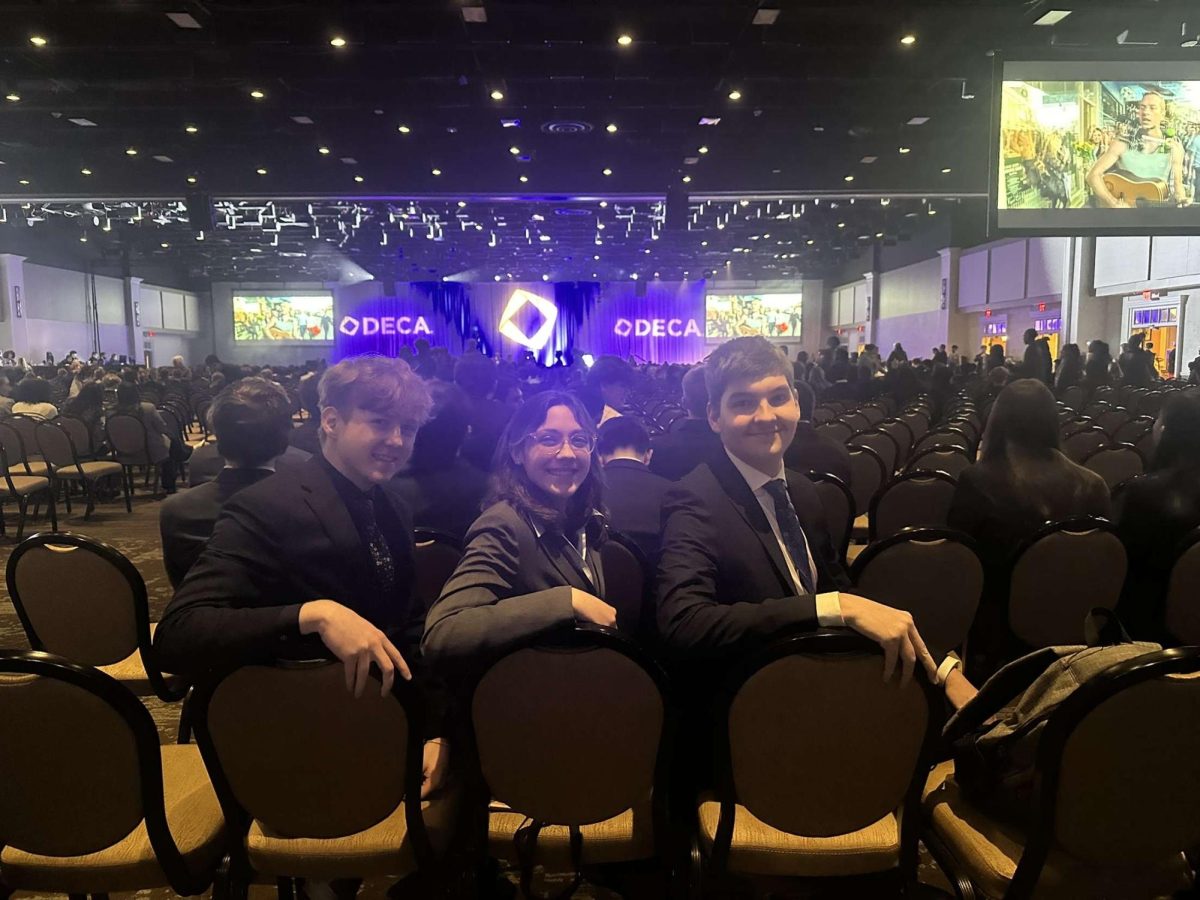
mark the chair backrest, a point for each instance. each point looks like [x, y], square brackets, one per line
[1132, 430]
[13, 444]
[838, 504]
[1115, 464]
[1182, 612]
[1081, 444]
[902, 435]
[945, 437]
[823, 414]
[816, 703]
[951, 460]
[82, 764]
[837, 429]
[1150, 404]
[81, 435]
[265, 731]
[78, 598]
[874, 414]
[1112, 419]
[1073, 397]
[1061, 573]
[26, 427]
[867, 475]
[545, 720]
[915, 499]
[933, 573]
[56, 445]
[127, 437]
[917, 422]
[882, 443]
[626, 584]
[437, 556]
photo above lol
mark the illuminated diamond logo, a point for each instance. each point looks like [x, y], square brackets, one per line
[349, 326]
[511, 330]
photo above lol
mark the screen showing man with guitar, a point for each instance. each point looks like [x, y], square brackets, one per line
[1143, 164]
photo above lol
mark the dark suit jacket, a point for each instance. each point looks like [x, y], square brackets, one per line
[679, 451]
[812, 451]
[634, 496]
[510, 584]
[489, 418]
[446, 500]
[186, 520]
[278, 544]
[723, 584]
[205, 462]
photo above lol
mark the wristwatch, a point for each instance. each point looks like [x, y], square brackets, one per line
[949, 664]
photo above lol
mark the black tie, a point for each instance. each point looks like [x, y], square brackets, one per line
[381, 554]
[792, 533]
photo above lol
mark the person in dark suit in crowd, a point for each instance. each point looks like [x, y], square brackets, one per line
[1070, 369]
[690, 441]
[307, 435]
[532, 562]
[633, 494]
[443, 490]
[1037, 363]
[318, 561]
[811, 451]
[1155, 512]
[251, 421]
[606, 388]
[1137, 364]
[476, 375]
[746, 555]
[207, 462]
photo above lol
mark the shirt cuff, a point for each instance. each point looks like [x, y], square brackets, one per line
[949, 664]
[829, 610]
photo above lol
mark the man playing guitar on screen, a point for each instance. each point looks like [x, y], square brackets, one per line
[1145, 164]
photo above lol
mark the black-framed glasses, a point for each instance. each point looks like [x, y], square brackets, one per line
[579, 441]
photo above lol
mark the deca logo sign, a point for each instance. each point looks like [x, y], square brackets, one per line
[511, 330]
[390, 325]
[656, 328]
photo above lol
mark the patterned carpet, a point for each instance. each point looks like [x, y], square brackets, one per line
[136, 535]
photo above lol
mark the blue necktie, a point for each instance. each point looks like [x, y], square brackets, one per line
[790, 530]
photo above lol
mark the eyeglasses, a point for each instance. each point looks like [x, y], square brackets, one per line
[580, 441]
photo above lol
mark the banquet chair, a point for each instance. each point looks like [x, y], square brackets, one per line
[1115, 464]
[1182, 605]
[1113, 807]
[1072, 397]
[902, 435]
[946, 437]
[935, 574]
[19, 454]
[81, 435]
[92, 803]
[867, 475]
[807, 704]
[67, 468]
[315, 782]
[84, 600]
[914, 499]
[940, 458]
[882, 443]
[838, 504]
[21, 488]
[573, 740]
[627, 585]
[436, 557]
[26, 427]
[1058, 575]
[837, 429]
[130, 443]
[1079, 445]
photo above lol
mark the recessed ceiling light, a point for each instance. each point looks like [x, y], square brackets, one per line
[83, 239]
[256, 249]
[867, 160]
[603, 204]
[462, 203]
[131, 151]
[85, 171]
[183, 20]
[918, 120]
[625, 40]
[164, 245]
[710, 120]
[404, 129]
[435, 172]
[765, 17]
[324, 151]
[261, 171]
[37, 40]
[810, 242]
[932, 211]
[841, 224]
[476, 15]
[497, 94]
[359, 179]
[349, 160]
[879, 234]
[607, 172]
[515, 151]
[337, 41]
[191, 179]
[947, 170]
[82, 122]
[906, 149]
[687, 179]
[191, 129]
[735, 95]
[12, 97]
[908, 40]
[611, 128]
[257, 94]
[510, 123]
[162, 158]
[848, 178]
[523, 179]
[1052, 17]
[302, 120]
[23, 181]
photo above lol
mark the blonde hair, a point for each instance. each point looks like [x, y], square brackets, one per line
[376, 383]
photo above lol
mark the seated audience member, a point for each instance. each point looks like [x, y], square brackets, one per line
[31, 397]
[1155, 512]
[307, 435]
[251, 421]
[159, 438]
[531, 564]
[6, 399]
[745, 554]
[811, 451]
[88, 407]
[633, 494]
[207, 462]
[476, 375]
[607, 387]
[444, 491]
[319, 561]
[690, 441]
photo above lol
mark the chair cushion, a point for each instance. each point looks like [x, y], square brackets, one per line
[759, 849]
[91, 470]
[193, 816]
[382, 849]
[625, 837]
[36, 467]
[132, 673]
[28, 484]
[988, 851]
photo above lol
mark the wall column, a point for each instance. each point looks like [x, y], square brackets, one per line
[956, 326]
[872, 309]
[133, 325]
[13, 305]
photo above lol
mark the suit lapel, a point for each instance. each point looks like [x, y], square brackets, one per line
[744, 501]
[322, 498]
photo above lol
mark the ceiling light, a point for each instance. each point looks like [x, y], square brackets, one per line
[462, 203]
[906, 149]
[435, 172]
[611, 128]
[704, 243]
[12, 98]
[338, 42]
[946, 171]
[183, 20]
[917, 120]
[625, 40]
[37, 40]
[634, 276]
[867, 160]
[83, 239]
[359, 179]
[302, 120]
[256, 249]
[848, 178]
[85, 171]
[735, 95]
[841, 224]
[932, 211]
[191, 179]
[257, 94]
[476, 15]
[515, 151]
[702, 150]
[497, 94]
[510, 123]
[524, 179]
[765, 17]
[687, 179]
[82, 122]
[607, 172]
[810, 242]
[324, 151]
[908, 40]
[1052, 17]
[191, 129]
[744, 202]
[131, 151]
[349, 160]
[261, 171]
[879, 234]
[164, 245]
[23, 181]
[710, 120]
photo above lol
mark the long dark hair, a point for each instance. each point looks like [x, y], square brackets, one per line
[1024, 416]
[510, 483]
[1179, 442]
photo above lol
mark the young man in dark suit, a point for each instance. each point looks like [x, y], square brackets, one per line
[632, 493]
[251, 420]
[690, 441]
[746, 555]
[319, 561]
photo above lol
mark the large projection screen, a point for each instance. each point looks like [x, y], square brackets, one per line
[775, 316]
[283, 317]
[1099, 147]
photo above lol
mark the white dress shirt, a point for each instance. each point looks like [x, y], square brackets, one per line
[829, 604]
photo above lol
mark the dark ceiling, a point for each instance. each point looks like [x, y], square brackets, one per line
[828, 97]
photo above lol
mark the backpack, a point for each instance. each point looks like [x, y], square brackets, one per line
[995, 736]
